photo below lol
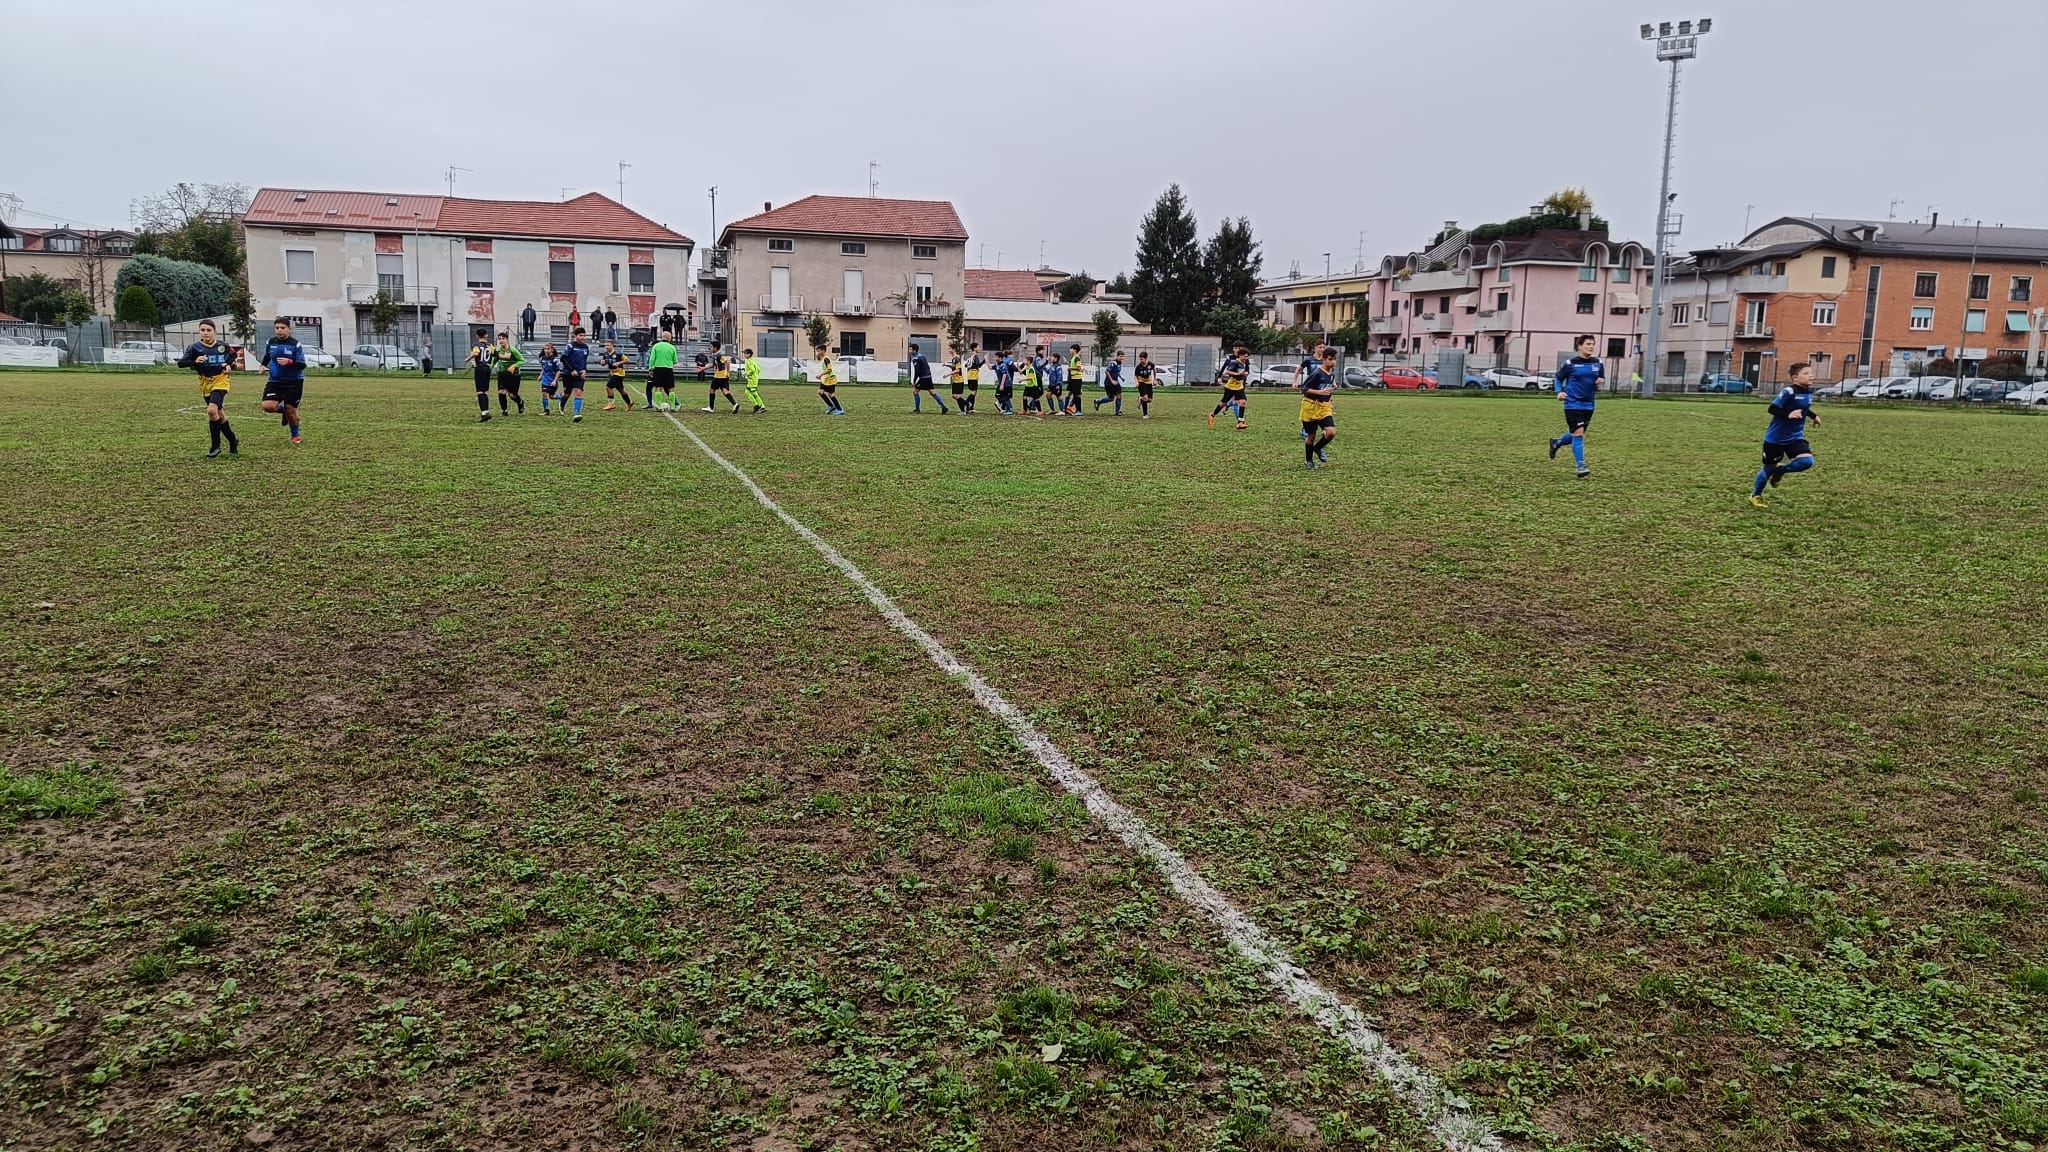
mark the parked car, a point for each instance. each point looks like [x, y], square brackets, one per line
[1915, 387]
[1281, 374]
[1724, 384]
[1516, 378]
[1873, 389]
[2032, 394]
[15, 341]
[1843, 388]
[1405, 379]
[1978, 390]
[1357, 377]
[1468, 380]
[318, 357]
[387, 356]
[164, 355]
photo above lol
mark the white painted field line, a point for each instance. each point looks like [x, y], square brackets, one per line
[1459, 1128]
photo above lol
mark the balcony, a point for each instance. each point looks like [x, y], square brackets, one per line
[1747, 331]
[781, 304]
[844, 307]
[929, 309]
[1433, 322]
[1756, 285]
[1438, 282]
[1387, 324]
[404, 295]
[1493, 320]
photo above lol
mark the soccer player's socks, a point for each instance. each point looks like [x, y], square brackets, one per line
[504, 404]
[1763, 477]
[1799, 465]
[711, 401]
[521, 402]
[650, 395]
[228, 431]
[483, 403]
[1308, 450]
[295, 429]
[578, 401]
[213, 429]
[1579, 450]
[543, 401]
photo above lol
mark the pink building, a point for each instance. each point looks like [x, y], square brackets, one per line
[1518, 301]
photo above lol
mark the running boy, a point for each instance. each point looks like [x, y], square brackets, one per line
[1112, 385]
[550, 379]
[1578, 385]
[753, 371]
[287, 385]
[505, 361]
[721, 379]
[1785, 440]
[1318, 418]
[957, 372]
[828, 385]
[575, 370]
[615, 377]
[1236, 369]
[208, 357]
[480, 368]
[1144, 373]
[661, 373]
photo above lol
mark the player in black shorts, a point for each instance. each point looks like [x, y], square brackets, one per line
[1144, 373]
[974, 366]
[480, 367]
[287, 384]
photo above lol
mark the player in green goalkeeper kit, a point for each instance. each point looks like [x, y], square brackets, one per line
[753, 387]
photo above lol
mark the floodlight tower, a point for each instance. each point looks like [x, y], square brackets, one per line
[1675, 45]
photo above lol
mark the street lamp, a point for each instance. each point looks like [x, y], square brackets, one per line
[1675, 45]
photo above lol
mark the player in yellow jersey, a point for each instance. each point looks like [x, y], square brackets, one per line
[828, 385]
[208, 357]
[1236, 373]
[1318, 418]
[721, 379]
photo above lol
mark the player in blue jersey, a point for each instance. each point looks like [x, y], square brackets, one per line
[208, 357]
[1318, 417]
[1578, 385]
[1112, 385]
[575, 370]
[550, 379]
[287, 384]
[1791, 411]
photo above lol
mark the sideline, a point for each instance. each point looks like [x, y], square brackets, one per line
[1449, 1116]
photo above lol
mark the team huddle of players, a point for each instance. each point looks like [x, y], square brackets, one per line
[1050, 386]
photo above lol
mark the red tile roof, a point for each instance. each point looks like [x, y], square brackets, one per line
[6, 319]
[1003, 284]
[860, 216]
[590, 216]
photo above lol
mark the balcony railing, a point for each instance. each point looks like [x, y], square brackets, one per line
[1438, 281]
[1746, 331]
[783, 303]
[928, 309]
[407, 295]
[841, 306]
[1756, 285]
[1492, 320]
[1434, 322]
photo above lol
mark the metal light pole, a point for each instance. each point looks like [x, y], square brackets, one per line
[1324, 327]
[1675, 46]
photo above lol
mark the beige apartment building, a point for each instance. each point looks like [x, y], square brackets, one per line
[81, 259]
[884, 273]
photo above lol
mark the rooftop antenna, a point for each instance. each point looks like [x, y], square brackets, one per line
[1360, 266]
[1041, 253]
[872, 182]
[1892, 213]
[622, 180]
[452, 170]
[10, 205]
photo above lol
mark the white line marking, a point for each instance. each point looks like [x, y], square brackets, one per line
[1450, 1117]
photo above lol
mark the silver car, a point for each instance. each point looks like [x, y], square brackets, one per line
[387, 356]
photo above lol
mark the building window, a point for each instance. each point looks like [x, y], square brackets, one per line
[924, 287]
[1586, 303]
[1778, 269]
[118, 247]
[1924, 284]
[1824, 313]
[853, 343]
[1980, 287]
[1674, 365]
[1973, 320]
[1753, 313]
[1923, 320]
[391, 273]
[640, 278]
[1505, 274]
[1617, 347]
[64, 244]
[853, 248]
[561, 275]
[476, 271]
[2022, 289]
[1624, 275]
[299, 266]
[1827, 267]
[1717, 312]
[781, 244]
[2017, 322]
[1681, 314]
[1588, 273]
[1500, 301]
[10, 243]
[1415, 343]
[1443, 305]
[924, 251]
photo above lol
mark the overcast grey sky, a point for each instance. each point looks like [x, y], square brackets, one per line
[1050, 120]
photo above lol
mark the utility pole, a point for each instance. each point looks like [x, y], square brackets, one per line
[1968, 283]
[872, 183]
[622, 180]
[1674, 47]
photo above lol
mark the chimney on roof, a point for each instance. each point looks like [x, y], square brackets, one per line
[1535, 209]
[767, 207]
[1933, 222]
[1585, 220]
[1450, 226]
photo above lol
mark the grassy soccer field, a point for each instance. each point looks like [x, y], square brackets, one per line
[437, 785]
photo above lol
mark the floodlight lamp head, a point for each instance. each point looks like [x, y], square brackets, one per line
[1685, 27]
[1649, 32]
[1664, 29]
[1705, 26]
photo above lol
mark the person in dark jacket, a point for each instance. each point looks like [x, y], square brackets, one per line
[526, 318]
[611, 324]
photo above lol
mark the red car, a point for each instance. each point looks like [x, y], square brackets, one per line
[1407, 379]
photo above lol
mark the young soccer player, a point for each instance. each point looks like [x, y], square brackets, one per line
[1318, 418]
[828, 385]
[1236, 371]
[480, 368]
[1033, 386]
[753, 374]
[1785, 440]
[921, 382]
[974, 367]
[614, 362]
[505, 361]
[721, 379]
[287, 384]
[661, 373]
[1006, 384]
[1578, 385]
[575, 371]
[1112, 385]
[1144, 372]
[1054, 372]
[550, 379]
[1308, 362]
[956, 374]
[1076, 374]
[208, 358]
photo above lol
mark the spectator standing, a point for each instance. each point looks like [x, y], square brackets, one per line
[575, 318]
[611, 324]
[427, 357]
[526, 318]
